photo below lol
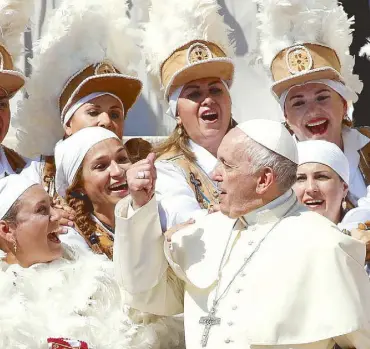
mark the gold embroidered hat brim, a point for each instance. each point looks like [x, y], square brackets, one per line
[222, 68]
[126, 88]
[280, 87]
[299, 64]
[11, 81]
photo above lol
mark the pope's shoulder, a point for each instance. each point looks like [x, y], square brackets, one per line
[315, 233]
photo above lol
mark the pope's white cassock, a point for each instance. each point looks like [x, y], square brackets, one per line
[282, 277]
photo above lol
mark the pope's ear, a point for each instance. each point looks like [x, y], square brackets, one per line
[5, 231]
[265, 180]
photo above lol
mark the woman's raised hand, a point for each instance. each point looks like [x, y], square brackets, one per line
[141, 178]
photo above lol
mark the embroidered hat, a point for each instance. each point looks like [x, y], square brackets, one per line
[71, 62]
[185, 41]
[304, 41]
[272, 135]
[14, 17]
[11, 188]
[326, 153]
[70, 153]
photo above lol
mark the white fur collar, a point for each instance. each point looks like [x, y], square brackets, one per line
[75, 297]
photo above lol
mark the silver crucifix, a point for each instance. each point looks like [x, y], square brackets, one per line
[209, 321]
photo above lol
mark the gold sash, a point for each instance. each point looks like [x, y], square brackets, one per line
[202, 186]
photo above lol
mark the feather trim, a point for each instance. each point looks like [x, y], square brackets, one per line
[172, 24]
[14, 18]
[365, 50]
[284, 23]
[76, 297]
[78, 34]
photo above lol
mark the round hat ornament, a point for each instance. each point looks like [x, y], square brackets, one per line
[298, 59]
[198, 52]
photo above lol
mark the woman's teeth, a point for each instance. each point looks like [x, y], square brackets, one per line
[53, 237]
[316, 123]
[314, 202]
[211, 116]
[318, 127]
[118, 186]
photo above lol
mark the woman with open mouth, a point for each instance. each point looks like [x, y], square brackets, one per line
[322, 178]
[191, 62]
[313, 79]
[91, 176]
[58, 296]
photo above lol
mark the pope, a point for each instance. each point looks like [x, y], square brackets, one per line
[262, 273]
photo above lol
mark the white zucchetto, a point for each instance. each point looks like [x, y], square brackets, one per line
[272, 135]
[70, 153]
[11, 188]
[326, 153]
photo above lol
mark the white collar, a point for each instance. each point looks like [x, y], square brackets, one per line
[4, 164]
[353, 140]
[272, 211]
[204, 158]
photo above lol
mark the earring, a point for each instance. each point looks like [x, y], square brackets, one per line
[179, 130]
[15, 246]
[344, 204]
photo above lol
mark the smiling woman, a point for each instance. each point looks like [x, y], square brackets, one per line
[313, 78]
[50, 291]
[192, 63]
[91, 176]
[322, 178]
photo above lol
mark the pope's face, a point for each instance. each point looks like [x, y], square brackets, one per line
[4, 115]
[320, 189]
[104, 111]
[315, 111]
[236, 183]
[35, 229]
[104, 174]
[204, 110]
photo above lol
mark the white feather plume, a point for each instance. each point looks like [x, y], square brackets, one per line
[78, 34]
[174, 23]
[14, 18]
[365, 50]
[283, 23]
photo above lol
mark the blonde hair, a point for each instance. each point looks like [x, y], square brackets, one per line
[178, 141]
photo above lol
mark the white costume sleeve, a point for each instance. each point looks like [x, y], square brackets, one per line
[74, 239]
[140, 265]
[177, 202]
[33, 170]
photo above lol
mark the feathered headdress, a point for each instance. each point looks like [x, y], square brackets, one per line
[186, 40]
[365, 50]
[88, 46]
[303, 40]
[14, 17]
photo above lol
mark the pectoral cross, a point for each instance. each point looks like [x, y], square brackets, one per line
[208, 321]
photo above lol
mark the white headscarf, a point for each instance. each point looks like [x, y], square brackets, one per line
[11, 188]
[74, 107]
[326, 153]
[347, 94]
[70, 153]
[174, 97]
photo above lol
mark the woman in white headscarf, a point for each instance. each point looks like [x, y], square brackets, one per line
[52, 294]
[322, 178]
[322, 186]
[92, 170]
[188, 50]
